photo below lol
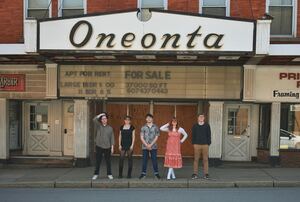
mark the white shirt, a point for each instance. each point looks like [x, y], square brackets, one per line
[165, 128]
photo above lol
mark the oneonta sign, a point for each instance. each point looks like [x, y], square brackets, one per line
[165, 31]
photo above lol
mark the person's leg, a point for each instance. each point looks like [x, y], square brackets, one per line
[145, 161]
[121, 162]
[130, 162]
[98, 160]
[154, 161]
[107, 154]
[173, 174]
[169, 174]
[205, 159]
[196, 158]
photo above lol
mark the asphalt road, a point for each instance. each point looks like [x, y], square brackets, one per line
[151, 195]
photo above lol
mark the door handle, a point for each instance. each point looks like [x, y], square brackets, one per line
[65, 131]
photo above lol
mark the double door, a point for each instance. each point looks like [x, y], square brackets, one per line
[162, 112]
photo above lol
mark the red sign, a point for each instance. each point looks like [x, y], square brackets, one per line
[12, 82]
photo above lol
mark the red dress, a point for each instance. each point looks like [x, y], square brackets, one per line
[173, 157]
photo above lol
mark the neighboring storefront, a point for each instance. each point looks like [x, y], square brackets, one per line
[133, 78]
[276, 88]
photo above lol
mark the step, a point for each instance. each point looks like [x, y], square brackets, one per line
[42, 161]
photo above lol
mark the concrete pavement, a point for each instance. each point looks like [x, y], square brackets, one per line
[226, 176]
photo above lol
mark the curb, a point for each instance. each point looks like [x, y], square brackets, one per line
[243, 184]
[123, 184]
[280, 183]
[109, 184]
[28, 184]
[158, 184]
[73, 184]
[210, 184]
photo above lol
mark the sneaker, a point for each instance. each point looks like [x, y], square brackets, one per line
[110, 177]
[206, 177]
[194, 177]
[157, 176]
[142, 176]
[95, 177]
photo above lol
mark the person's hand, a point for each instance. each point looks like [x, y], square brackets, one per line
[131, 147]
[149, 146]
[120, 148]
[112, 150]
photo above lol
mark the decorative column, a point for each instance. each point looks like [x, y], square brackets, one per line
[81, 132]
[4, 132]
[275, 133]
[216, 125]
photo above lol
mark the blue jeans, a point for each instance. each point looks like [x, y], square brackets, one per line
[153, 154]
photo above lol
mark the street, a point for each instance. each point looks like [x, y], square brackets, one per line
[151, 195]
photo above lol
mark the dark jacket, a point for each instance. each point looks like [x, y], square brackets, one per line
[201, 134]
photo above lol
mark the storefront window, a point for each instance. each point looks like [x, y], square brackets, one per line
[264, 126]
[38, 117]
[237, 121]
[158, 4]
[290, 126]
[282, 12]
[72, 7]
[214, 7]
[38, 9]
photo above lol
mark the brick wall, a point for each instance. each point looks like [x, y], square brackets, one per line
[95, 6]
[242, 8]
[290, 159]
[184, 5]
[11, 21]
[298, 20]
[11, 12]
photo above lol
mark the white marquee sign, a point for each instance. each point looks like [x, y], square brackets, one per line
[165, 31]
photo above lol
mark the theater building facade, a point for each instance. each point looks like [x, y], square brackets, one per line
[160, 61]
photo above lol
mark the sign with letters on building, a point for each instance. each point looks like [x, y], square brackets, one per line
[276, 83]
[164, 31]
[138, 81]
[12, 82]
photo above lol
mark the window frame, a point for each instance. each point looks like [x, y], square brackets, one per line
[25, 3]
[139, 4]
[294, 19]
[60, 8]
[227, 8]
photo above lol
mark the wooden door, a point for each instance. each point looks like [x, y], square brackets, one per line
[163, 114]
[138, 113]
[237, 133]
[37, 128]
[68, 128]
[187, 117]
[116, 113]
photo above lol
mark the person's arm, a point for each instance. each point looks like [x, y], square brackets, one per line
[96, 118]
[185, 135]
[142, 138]
[208, 134]
[193, 134]
[165, 128]
[156, 137]
[133, 139]
[120, 136]
[112, 141]
[153, 142]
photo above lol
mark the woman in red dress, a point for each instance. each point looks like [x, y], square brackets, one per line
[173, 158]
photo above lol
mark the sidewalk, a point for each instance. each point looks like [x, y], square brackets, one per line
[225, 176]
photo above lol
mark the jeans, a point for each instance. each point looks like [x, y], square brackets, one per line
[121, 162]
[153, 154]
[99, 153]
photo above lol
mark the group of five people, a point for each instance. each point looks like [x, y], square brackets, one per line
[201, 139]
